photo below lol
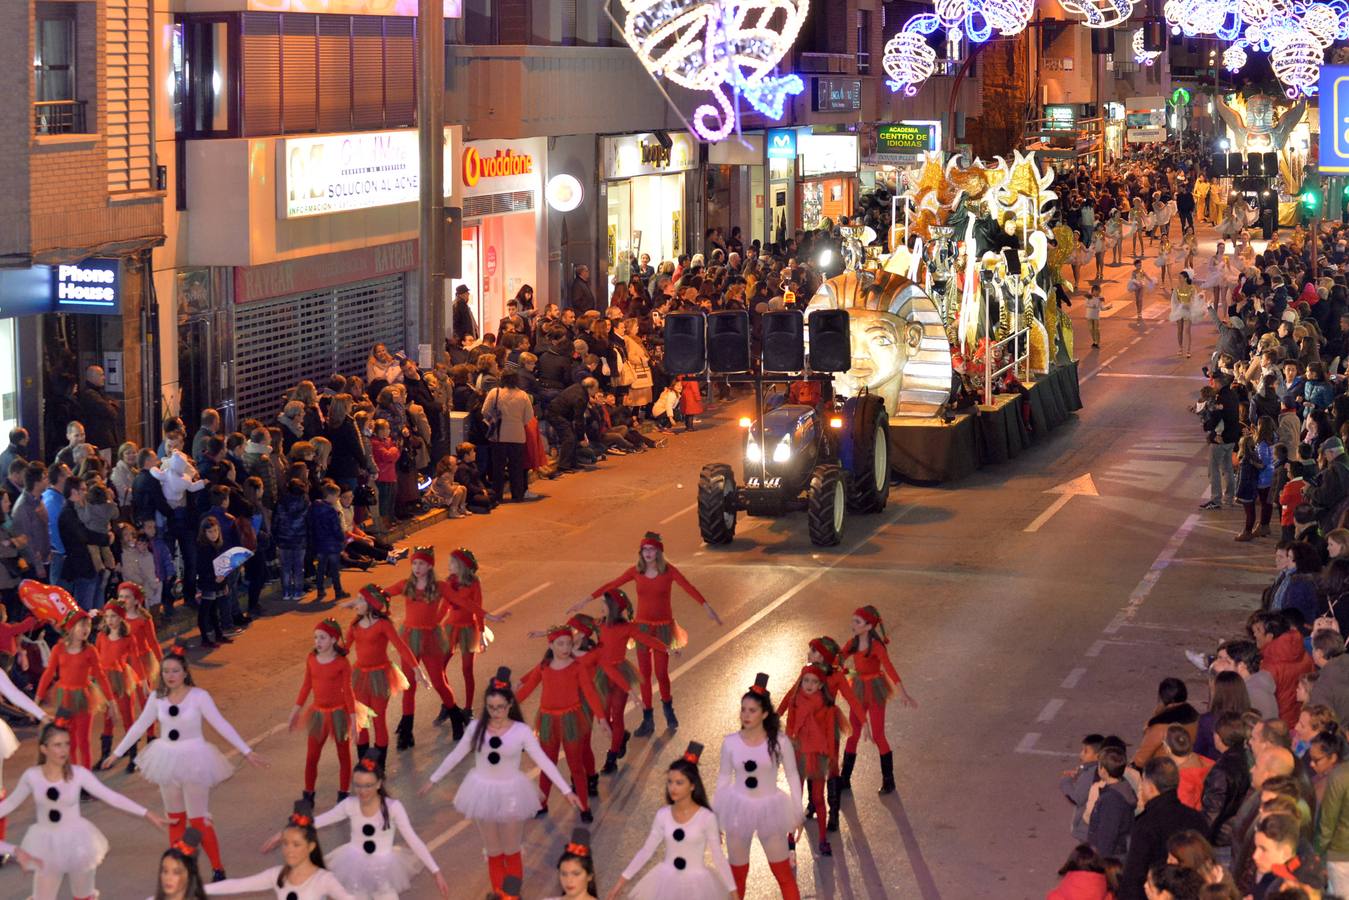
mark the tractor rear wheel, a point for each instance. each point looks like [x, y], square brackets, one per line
[716, 503]
[828, 505]
[869, 480]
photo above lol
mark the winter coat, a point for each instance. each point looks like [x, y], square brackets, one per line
[1330, 490]
[325, 528]
[1163, 817]
[690, 398]
[138, 567]
[419, 426]
[1332, 689]
[1286, 660]
[28, 519]
[74, 535]
[1112, 818]
[258, 464]
[1076, 786]
[1225, 787]
[386, 453]
[100, 416]
[1081, 886]
[515, 410]
[1332, 820]
[290, 522]
[1153, 743]
[147, 498]
[1319, 393]
[178, 478]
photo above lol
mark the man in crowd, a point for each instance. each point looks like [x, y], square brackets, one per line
[17, 448]
[78, 574]
[581, 296]
[462, 323]
[1163, 815]
[566, 415]
[1332, 684]
[30, 519]
[102, 416]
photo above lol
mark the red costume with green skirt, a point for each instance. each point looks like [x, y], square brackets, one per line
[873, 681]
[374, 678]
[562, 721]
[428, 638]
[467, 628]
[614, 675]
[121, 662]
[78, 678]
[142, 628]
[329, 716]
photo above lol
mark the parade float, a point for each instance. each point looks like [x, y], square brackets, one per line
[955, 324]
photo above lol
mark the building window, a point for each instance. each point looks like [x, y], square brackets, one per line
[864, 42]
[204, 77]
[56, 108]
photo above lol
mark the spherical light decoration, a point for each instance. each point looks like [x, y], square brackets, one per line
[1234, 58]
[1297, 63]
[1012, 16]
[1255, 12]
[1100, 13]
[909, 61]
[951, 12]
[1142, 55]
[1322, 23]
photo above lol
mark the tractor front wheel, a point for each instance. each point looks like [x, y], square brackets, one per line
[828, 505]
[716, 503]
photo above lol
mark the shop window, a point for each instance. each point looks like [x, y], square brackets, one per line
[59, 103]
[864, 42]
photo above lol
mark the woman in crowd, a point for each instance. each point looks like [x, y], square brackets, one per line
[509, 410]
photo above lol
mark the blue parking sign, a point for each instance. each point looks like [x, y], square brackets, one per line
[1333, 153]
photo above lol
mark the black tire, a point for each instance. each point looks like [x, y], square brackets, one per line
[716, 503]
[869, 480]
[828, 509]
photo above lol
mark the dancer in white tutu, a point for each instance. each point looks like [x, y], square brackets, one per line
[1080, 256]
[1136, 225]
[1163, 261]
[576, 868]
[68, 845]
[1097, 251]
[1114, 236]
[495, 794]
[179, 876]
[688, 828]
[1220, 275]
[302, 874]
[1162, 214]
[9, 742]
[369, 865]
[182, 762]
[1139, 283]
[1186, 309]
[748, 800]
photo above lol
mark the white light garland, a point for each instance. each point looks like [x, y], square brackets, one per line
[1234, 58]
[1100, 13]
[1142, 55]
[909, 61]
[1296, 61]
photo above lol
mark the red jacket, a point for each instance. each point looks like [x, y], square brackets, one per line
[1081, 886]
[386, 453]
[690, 397]
[1286, 660]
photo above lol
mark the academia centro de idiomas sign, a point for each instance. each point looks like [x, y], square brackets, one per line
[342, 172]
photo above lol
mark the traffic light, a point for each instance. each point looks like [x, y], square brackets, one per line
[1310, 199]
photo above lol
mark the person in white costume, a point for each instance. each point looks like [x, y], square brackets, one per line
[576, 869]
[301, 876]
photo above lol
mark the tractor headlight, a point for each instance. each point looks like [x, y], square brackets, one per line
[783, 451]
[752, 452]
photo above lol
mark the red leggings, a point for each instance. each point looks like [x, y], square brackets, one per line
[81, 725]
[618, 700]
[875, 713]
[435, 670]
[311, 759]
[141, 696]
[123, 710]
[380, 724]
[644, 655]
[470, 683]
[816, 787]
[575, 751]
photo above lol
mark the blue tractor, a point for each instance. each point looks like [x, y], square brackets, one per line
[805, 449]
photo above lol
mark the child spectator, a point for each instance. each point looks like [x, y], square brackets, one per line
[478, 497]
[139, 565]
[361, 548]
[1316, 391]
[1075, 783]
[690, 401]
[210, 586]
[1110, 805]
[1193, 767]
[97, 514]
[1290, 498]
[290, 532]
[325, 532]
[665, 408]
[446, 492]
[386, 452]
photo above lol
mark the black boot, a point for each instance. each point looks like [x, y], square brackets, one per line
[405, 739]
[670, 721]
[610, 763]
[105, 745]
[648, 726]
[887, 773]
[446, 714]
[131, 760]
[457, 722]
[845, 777]
[623, 748]
[308, 797]
[831, 791]
[342, 795]
[593, 785]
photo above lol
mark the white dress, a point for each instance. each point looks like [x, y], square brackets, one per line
[182, 755]
[748, 799]
[322, 885]
[495, 790]
[9, 743]
[684, 873]
[1219, 273]
[1186, 312]
[370, 866]
[65, 841]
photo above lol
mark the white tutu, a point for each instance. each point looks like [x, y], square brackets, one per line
[362, 873]
[512, 799]
[194, 761]
[1228, 227]
[769, 813]
[694, 882]
[9, 743]
[72, 846]
[1182, 312]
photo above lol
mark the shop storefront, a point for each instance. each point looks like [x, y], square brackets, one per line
[780, 151]
[826, 177]
[892, 150]
[504, 223]
[645, 188]
[735, 186]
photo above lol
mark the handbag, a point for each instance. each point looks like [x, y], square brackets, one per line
[364, 495]
[492, 420]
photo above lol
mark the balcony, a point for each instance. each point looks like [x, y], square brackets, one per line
[59, 117]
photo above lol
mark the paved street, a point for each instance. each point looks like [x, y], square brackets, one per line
[1015, 642]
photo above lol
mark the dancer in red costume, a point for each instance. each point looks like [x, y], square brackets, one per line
[374, 678]
[874, 680]
[815, 724]
[327, 674]
[614, 675]
[182, 763]
[119, 654]
[467, 623]
[561, 720]
[142, 627]
[655, 579]
[823, 654]
[81, 685]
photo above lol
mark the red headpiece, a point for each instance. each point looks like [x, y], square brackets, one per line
[72, 618]
[330, 628]
[375, 598]
[652, 539]
[620, 600]
[827, 648]
[582, 623]
[693, 753]
[178, 651]
[425, 554]
[815, 670]
[868, 614]
[578, 849]
[116, 607]
[369, 764]
[465, 558]
[558, 631]
[760, 685]
[188, 844]
[135, 589]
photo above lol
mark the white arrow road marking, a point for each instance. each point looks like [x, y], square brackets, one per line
[1082, 485]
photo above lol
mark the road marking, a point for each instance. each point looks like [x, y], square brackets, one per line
[523, 597]
[1082, 485]
[1154, 573]
[670, 518]
[1028, 742]
[1073, 678]
[1051, 710]
[1096, 648]
[1150, 375]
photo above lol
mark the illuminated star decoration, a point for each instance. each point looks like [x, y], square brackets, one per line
[722, 47]
[1142, 55]
[908, 58]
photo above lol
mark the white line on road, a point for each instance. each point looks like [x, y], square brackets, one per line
[670, 518]
[1051, 710]
[1095, 649]
[1027, 745]
[1149, 375]
[1073, 678]
[523, 597]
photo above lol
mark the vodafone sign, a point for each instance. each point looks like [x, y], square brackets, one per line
[502, 164]
[498, 166]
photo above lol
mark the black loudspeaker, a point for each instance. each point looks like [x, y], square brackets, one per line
[830, 342]
[1271, 164]
[685, 343]
[784, 346]
[1154, 35]
[1236, 164]
[1219, 166]
[728, 342]
[1102, 41]
[1255, 164]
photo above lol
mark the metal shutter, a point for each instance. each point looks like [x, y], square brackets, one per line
[299, 72]
[334, 77]
[261, 76]
[400, 66]
[367, 62]
[130, 151]
[285, 340]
